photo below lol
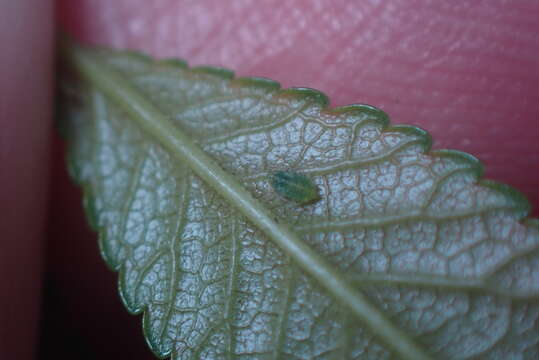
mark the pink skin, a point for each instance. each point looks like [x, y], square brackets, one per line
[467, 71]
[26, 74]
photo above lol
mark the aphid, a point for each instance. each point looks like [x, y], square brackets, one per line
[295, 186]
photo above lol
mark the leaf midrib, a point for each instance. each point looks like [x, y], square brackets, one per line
[151, 120]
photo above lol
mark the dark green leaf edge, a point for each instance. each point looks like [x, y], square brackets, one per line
[522, 207]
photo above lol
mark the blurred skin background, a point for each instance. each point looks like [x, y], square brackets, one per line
[467, 71]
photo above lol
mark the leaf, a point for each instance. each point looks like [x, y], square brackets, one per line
[406, 254]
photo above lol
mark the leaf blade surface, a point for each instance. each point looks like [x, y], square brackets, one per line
[387, 209]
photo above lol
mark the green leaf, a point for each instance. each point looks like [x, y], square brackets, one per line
[402, 252]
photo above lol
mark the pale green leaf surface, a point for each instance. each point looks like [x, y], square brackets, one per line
[445, 258]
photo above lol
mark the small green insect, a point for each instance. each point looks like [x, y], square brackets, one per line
[295, 187]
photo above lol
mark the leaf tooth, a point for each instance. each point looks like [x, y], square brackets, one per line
[88, 204]
[316, 96]
[519, 201]
[134, 54]
[73, 169]
[174, 62]
[424, 138]
[256, 82]
[111, 260]
[214, 71]
[159, 348]
[360, 109]
[473, 163]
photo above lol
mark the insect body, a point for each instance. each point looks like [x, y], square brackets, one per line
[296, 187]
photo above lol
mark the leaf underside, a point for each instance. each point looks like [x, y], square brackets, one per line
[447, 258]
